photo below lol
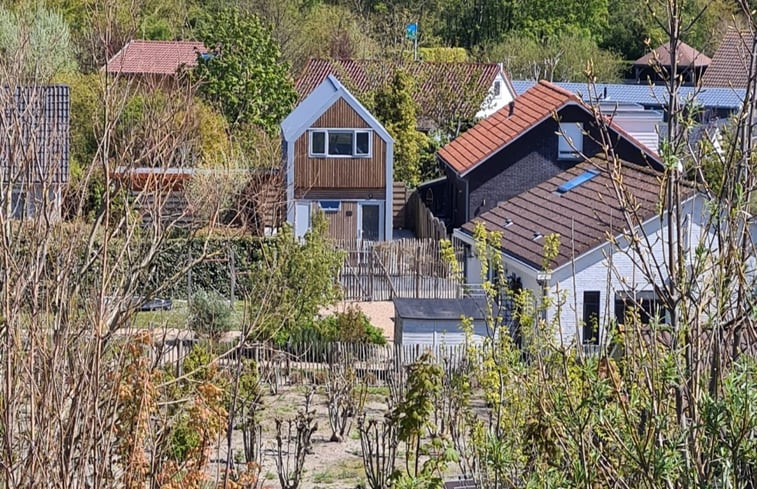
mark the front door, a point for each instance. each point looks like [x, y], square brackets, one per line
[370, 222]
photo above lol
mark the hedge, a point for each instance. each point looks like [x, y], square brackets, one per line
[214, 272]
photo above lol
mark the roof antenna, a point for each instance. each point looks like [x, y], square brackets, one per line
[512, 108]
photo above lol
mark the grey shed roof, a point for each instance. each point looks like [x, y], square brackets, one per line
[440, 309]
[649, 96]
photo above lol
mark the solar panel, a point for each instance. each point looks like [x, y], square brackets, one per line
[576, 181]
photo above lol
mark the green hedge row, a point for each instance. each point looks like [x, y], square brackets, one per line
[213, 272]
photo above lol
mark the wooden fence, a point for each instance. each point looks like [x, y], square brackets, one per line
[424, 223]
[400, 196]
[309, 363]
[409, 268]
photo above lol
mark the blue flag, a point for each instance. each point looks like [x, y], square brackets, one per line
[411, 31]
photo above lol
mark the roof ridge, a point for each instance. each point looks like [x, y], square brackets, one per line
[410, 62]
[556, 88]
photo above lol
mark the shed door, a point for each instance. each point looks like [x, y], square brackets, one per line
[301, 218]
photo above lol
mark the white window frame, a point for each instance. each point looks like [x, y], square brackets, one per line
[570, 141]
[311, 153]
[354, 133]
[370, 145]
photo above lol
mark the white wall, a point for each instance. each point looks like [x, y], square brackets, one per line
[492, 103]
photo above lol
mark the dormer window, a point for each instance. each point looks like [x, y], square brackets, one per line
[340, 143]
[570, 141]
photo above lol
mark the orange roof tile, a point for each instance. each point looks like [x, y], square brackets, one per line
[501, 128]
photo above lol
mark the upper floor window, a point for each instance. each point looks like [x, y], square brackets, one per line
[340, 143]
[570, 141]
[497, 88]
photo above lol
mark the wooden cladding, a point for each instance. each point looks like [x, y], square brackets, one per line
[341, 115]
[343, 223]
[339, 172]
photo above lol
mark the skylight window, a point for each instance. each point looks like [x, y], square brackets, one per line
[576, 181]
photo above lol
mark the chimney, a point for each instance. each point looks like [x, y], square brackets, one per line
[604, 94]
[512, 108]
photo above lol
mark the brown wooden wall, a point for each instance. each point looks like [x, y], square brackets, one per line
[314, 173]
[341, 226]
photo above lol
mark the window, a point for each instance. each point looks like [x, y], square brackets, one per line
[570, 141]
[340, 143]
[497, 88]
[591, 318]
[645, 305]
[362, 143]
[329, 205]
[317, 143]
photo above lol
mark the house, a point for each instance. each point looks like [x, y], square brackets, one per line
[658, 63]
[338, 161]
[444, 91]
[542, 133]
[436, 322]
[730, 63]
[154, 61]
[35, 151]
[590, 280]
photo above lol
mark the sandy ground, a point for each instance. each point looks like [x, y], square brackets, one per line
[380, 313]
[331, 465]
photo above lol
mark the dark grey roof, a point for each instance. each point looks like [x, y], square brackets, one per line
[36, 130]
[440, 309]
[649, 96]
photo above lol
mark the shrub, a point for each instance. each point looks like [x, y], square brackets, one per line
[348, 326]
[209, 314]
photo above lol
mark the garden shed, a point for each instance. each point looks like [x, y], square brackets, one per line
[436, 322]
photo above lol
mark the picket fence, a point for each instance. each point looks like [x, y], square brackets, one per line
[309, 363]
[407, 268]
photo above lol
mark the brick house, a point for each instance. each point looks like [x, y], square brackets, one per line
[534, 170]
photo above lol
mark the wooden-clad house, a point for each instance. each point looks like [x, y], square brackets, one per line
[338, 161]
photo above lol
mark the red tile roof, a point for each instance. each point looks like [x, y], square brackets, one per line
[582, 216]
[438, 85]
[155, 57]
[687, 56]
[504, 126]
[730, 63]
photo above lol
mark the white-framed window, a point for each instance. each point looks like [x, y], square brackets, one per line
[497, 90]
[317, 145]
[340, 143]
[570, 140]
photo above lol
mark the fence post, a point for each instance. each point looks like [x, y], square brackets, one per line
[233, 273]
[417, 272]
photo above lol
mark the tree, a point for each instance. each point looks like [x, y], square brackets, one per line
[243, 74]
[394, 106]
[41, 37]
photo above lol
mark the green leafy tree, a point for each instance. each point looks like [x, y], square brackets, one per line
[42, 39]
[395, 108]
[243, 74]
[293, 280]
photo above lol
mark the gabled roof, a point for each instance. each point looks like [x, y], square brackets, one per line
[155, 57]
[320, 99]
[500, 129]
[504, 126]
[687, 57]
[585, 214]
[730, 63]
[436, 82]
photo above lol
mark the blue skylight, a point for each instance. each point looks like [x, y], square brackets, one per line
[576, 181]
